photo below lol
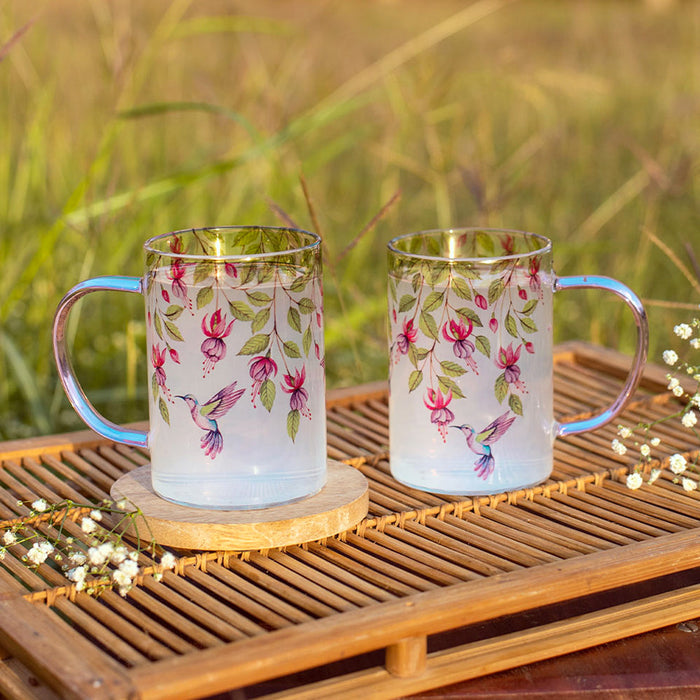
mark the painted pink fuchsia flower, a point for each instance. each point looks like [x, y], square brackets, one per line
[176, 244]
[261, 369]
[442, 416]
[480, 301]
[230, 269]
[176, 274]
[507, 360]
[174, 356]
[298, 396]
[214, 348]
[409, 335]
[158, 360]
[457, 334]
[493, 324]
[534, 277]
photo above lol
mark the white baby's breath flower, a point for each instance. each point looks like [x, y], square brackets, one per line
[677, 463]
[88, 525]
[129, 568]
[77, 574]
[689, 419]
[119, 554]
[695, 400]
[678, 391]
[39, 552]
[9, 538]
[168, 561]
[689, 484]
[123, 504]
[40, 505]
[2, 553]
[673, 383]
[95, 556]
[624, 432]
[670, 357]
[123, 581]
[634, 480]
[618, 448]
[683, 330]
[645, 450]
[655, 442]
[134, 556]
[96, 515]
[655, 474]
[78, 558]
[695, 343]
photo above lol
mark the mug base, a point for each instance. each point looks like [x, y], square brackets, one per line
[468, 492]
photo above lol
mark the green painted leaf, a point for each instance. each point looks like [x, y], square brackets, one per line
[265, 273]
[495, 290]
[501, 388]
[202, 271]
[411, 354]
[204, 296]
[509, 323]
[422, 353]
[461, 288]
[261, 318]
[452, 369]
[300, 282]
[293, 420]
[306, 305]
[414, 379]
[516, 405]
[259, 298]
[294, 319]
[158, 326]
[446, 384]
[528, 325]
[483, 345]
[416, 282]
[406, 303]
[291, 349]
[241, 311]
[438, 273]
[173, 312]
[267, 394]
[469, 314]
[529, 307]
[154, 385]
[433, 301]
[306, 340]
[392, 289]
[255, 345]
[428, 325]
[163, 408]
[173, 331]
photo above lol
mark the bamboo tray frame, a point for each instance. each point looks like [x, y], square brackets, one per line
[418, 566]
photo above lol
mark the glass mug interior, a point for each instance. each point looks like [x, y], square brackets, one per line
[234, 320]
[471, 360]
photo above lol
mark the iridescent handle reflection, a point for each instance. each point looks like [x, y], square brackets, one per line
[73, 390]
[640, 318]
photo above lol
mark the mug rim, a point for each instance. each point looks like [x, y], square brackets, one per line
[546, 246]
[315, 243]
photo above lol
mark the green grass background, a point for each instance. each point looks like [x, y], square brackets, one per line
[122, 120]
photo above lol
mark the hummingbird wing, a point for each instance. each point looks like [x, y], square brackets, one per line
[219, 404]
[495, 431]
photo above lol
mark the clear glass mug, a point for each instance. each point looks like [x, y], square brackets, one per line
[236, 365]
[471, 394]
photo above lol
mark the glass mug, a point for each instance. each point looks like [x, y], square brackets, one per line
[234, 320]
[471, 390]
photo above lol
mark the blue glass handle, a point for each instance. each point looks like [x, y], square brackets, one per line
[640, 319]
[73, 390]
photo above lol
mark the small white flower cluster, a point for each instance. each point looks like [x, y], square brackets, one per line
[687, 413]
[102, 562]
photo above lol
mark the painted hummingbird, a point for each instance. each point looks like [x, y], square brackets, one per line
[205, 416]
[480, 443]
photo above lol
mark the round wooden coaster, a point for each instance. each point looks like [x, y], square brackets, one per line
[340, 505]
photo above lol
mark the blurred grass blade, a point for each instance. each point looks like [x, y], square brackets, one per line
[230, 25]
[5, 48]
[158, 108]
[27, 383]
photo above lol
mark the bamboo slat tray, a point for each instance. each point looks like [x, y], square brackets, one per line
[402, 593]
